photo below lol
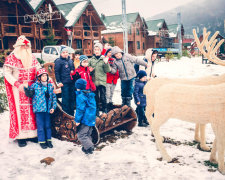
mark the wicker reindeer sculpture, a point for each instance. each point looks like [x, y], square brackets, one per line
[198, 103]
[152, 87]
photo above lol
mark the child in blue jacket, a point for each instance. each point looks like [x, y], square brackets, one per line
[85, 115]
[44, 102]
[140, 98]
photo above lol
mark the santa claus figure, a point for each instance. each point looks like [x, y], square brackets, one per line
[20, 69]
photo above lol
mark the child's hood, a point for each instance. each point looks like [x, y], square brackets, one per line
[115, 50]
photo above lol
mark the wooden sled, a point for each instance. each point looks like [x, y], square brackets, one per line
[64, 128]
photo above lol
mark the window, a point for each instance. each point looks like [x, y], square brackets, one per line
[47, 50]
[138, 44]
[143, 45]
[129, 32]
[54, 51]
[137, 32]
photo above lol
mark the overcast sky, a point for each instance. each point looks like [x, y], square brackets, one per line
[146, 8]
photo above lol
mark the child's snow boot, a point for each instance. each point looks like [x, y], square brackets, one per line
[43, 145]
[49, 144]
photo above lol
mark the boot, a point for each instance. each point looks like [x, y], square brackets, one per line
[43, 145]
[141, 123]
[145, 121]
[49, 144]
[88, 151]
[140, 119]
[22, 142]
[126, 101]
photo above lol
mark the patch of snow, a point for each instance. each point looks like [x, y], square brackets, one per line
[58, 2]
[116, 30]
[34, 3]
[172, 34]
[63, 13]
[159, 24]
[152, 33]
[75, 12]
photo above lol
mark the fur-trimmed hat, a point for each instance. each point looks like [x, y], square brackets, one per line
[81, 84]
[22, 40]
[99, 45]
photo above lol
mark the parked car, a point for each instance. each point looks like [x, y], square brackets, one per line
[49, 53]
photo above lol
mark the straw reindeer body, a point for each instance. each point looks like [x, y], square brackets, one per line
[153, 86]
[194, 103]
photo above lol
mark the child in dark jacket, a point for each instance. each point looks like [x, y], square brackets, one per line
[140, 98]
[85, 115]
[63, 68]
[83, 72]
[44, 102]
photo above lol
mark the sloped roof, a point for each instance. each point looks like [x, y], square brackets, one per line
[154, 26]
[173, 30]
[35, 4]
[73, 9]
[114, 23]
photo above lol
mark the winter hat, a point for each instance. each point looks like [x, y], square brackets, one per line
[81, 84]
[22, 40]
[107, 51]
[41, 71]
[141, 74]
[82, 58]
[99, 45]
[63, 49]
[71, 50]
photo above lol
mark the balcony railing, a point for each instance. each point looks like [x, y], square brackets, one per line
[28, 31]
[85, 34]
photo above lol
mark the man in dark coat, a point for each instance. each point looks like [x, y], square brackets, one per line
[63, 68]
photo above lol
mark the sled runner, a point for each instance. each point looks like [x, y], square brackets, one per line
[63, 125]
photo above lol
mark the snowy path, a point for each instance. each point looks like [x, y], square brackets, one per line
[133, 157]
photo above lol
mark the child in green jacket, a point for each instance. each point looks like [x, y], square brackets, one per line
[99, 66]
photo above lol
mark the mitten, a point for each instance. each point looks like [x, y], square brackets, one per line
[29, 92]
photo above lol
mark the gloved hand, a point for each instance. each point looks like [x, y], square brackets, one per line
[76, 77]
[29, 92]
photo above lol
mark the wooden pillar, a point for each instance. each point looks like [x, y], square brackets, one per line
[2, 43]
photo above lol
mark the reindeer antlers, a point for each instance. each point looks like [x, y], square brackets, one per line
[210, 54]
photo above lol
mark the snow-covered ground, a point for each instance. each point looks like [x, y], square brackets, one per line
[132, 157]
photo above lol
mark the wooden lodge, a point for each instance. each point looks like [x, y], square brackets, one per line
[137, 32]
[158, 34]
[173, 32]
[84, 24]
[13, 23]
[79, 16]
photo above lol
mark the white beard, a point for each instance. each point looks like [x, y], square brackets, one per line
[25, 55]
